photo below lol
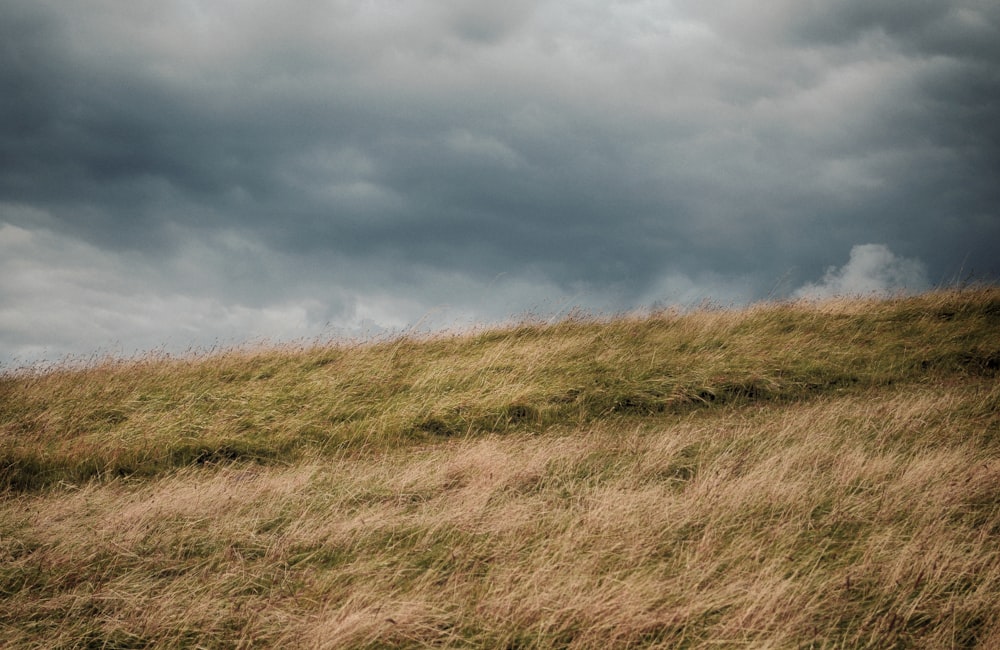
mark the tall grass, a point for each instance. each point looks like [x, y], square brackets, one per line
[790, 475]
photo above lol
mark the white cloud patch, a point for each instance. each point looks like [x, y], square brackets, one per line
[60, 297]
[872, 269]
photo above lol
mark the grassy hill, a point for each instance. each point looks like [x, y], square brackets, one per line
[788, 475]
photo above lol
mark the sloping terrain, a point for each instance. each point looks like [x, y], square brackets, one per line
[789, 475]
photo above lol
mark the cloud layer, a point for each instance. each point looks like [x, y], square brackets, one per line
[173, 173]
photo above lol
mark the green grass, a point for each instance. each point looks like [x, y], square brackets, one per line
[788, 475]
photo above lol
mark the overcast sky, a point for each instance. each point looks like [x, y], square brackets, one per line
[178, 174]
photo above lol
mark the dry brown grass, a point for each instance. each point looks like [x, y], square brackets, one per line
[846, 514]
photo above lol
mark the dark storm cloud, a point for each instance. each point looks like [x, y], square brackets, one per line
[349, 162]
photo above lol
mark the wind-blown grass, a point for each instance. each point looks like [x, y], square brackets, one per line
[791, 475]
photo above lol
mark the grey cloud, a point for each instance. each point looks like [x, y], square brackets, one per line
[957, 29]
[423, 153]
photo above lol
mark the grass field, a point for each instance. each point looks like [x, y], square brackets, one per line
[789, 475]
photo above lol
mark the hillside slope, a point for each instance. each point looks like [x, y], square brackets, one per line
[788, 475]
